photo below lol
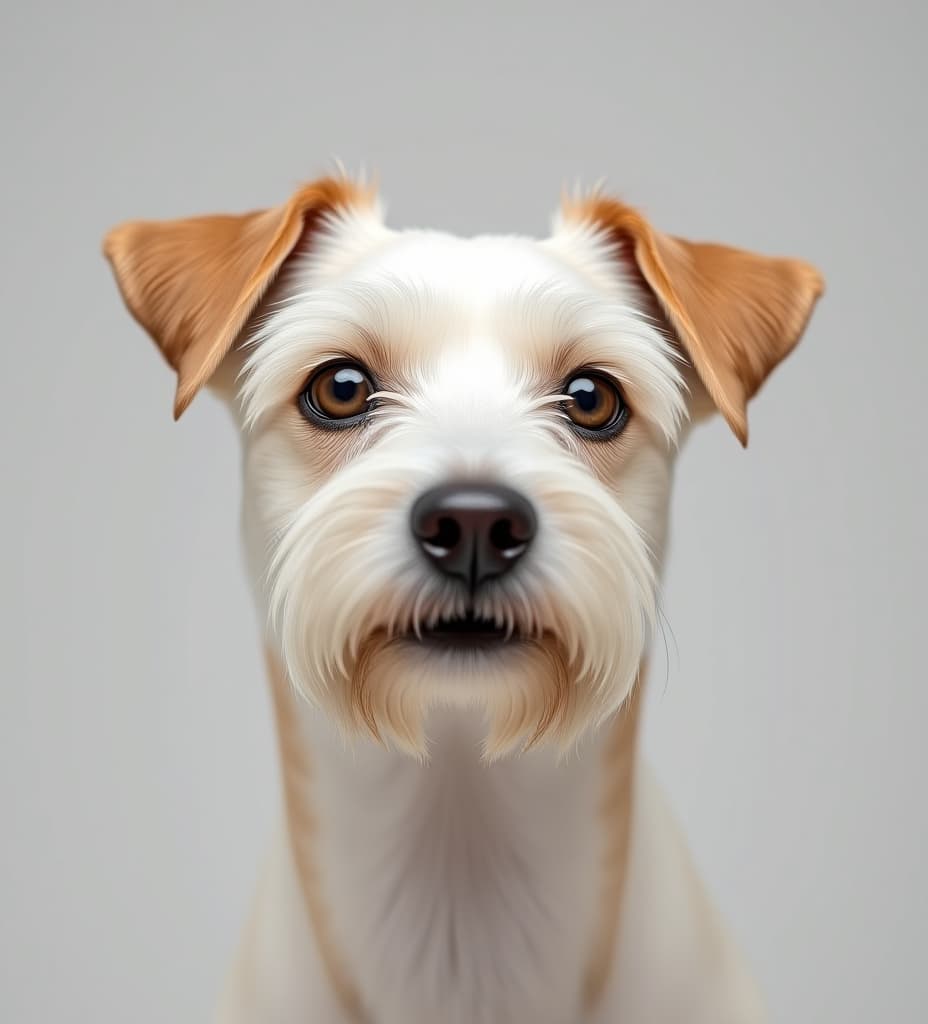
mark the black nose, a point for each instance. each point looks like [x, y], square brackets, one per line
[473, 531]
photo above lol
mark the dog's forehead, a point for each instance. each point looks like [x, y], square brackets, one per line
[476, 270]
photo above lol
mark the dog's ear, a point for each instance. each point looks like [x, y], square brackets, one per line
[193, 283]
[736, 314]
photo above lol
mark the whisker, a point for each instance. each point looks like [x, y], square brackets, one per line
[541, 401]
[664, 626]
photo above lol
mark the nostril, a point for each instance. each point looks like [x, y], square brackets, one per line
[445, 537]
[504, 537]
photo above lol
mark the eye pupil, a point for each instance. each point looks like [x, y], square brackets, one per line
[584, 393]
[345, 384]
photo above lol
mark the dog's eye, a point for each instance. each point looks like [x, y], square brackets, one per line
[338, 392]
[595, 405]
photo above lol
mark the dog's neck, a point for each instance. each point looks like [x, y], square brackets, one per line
[518, 864]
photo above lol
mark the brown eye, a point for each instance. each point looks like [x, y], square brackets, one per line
[595, 405]
[337, 395]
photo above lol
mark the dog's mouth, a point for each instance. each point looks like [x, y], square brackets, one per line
[465, 632]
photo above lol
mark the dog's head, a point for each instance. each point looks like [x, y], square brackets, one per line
[458, 451]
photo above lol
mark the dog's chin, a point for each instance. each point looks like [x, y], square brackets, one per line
[522, 681]
[537, 677]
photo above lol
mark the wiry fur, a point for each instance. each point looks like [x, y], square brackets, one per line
[519, 866]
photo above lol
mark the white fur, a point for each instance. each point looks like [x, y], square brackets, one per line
[462, 882]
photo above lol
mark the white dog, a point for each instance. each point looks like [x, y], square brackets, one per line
[458, 457]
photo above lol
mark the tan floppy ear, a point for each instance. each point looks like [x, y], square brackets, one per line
[735, 313]
[193, 283]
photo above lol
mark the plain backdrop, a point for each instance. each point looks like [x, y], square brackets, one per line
[788, 720]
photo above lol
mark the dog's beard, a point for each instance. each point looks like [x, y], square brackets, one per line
[350, 597]
[525, 691]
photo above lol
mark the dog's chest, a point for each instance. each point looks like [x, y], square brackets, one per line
[458, 891]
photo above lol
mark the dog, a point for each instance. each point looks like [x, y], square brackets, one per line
[457, 464]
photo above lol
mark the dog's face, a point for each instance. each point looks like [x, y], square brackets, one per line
[458, 451]
[458, 460]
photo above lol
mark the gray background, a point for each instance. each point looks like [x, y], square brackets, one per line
[138, 771]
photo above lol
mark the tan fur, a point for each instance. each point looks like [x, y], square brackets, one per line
[193, 283]
[735, 313]
[618, 778]
[302, 828]
[381, 696]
